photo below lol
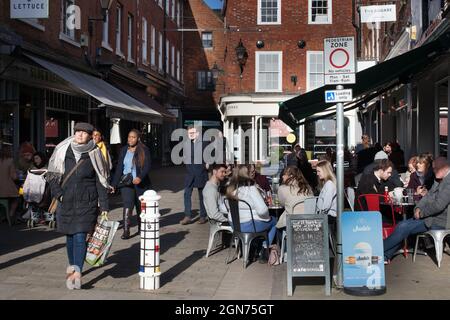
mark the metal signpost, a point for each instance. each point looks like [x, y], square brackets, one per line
[339, 62]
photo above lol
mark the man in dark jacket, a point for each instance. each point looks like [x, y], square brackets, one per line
[430, 212]
[196, 176]
[393, 181]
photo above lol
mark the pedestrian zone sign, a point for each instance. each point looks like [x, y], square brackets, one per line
[335, 96]
[339, 60]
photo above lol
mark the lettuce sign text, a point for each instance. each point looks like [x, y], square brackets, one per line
[29, 9]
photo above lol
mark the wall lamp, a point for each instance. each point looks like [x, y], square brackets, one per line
[241, 55]
[105, 5]
[301, 44]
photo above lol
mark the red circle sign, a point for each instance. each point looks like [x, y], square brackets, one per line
[339, 66]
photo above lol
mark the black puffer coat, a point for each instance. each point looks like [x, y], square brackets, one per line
[81, 196]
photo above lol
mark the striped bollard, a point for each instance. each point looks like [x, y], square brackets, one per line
[149, 270]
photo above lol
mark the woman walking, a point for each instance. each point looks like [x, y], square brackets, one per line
[78, 180]
[132, 178]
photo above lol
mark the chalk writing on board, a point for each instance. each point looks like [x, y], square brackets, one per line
[308, 245]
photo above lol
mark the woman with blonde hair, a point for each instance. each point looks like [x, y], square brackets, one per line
[294, 189]
[326, 202]
[242, 187]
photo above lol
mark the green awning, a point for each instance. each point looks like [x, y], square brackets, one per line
[377, 79]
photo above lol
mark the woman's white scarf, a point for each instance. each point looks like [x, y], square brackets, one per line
[56, 164]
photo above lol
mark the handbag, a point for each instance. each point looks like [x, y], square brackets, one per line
[126, 180]
[99, 243]
[55, 201]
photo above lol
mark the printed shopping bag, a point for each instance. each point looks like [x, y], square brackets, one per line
[99, 243]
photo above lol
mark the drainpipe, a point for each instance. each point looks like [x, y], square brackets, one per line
[357, 27]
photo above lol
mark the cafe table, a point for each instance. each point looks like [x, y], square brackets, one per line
[404, 207]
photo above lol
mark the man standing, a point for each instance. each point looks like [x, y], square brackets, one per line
[196, 176]
[430, 212]
[211, 194]
[365, 143]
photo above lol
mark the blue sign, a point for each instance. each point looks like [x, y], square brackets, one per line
[363, 253]
[330, 97]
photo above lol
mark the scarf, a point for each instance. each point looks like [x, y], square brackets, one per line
[56, 165]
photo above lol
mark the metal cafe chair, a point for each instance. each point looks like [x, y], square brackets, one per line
[372, 202]
[245, 238]
[214, 228]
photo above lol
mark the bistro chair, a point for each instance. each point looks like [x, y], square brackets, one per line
[438, 237]
[214, 228]
[372, 202]
[245, 238]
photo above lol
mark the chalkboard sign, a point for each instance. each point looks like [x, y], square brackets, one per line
[307, 248]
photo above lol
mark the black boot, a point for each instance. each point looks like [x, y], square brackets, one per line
[126, 223]
[139, 224]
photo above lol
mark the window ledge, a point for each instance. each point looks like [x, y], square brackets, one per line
[269, 23]
[120, 54]
[107, 46]
[69, 40]
[33, 24]
[130, 60]
[145, 63]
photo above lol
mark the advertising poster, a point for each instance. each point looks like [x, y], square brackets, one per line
[363, 257]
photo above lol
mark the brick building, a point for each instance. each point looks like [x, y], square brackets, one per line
[122, 73]
[204, 54]
[281, 45]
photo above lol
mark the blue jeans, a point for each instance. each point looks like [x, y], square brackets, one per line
[188, 202]
[402, 231]
[262, 226]
[76, 249]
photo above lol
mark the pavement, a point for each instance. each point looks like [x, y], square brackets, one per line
[33, 263]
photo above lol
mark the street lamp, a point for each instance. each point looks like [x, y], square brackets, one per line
[105, 5]
[216, 71]
[241, 55]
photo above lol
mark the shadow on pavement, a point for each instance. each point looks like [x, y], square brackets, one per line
[31, 256]
[19, 237]
[126, 262]
[179, 268]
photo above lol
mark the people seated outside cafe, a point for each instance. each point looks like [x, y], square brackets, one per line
[422, 179]
[412, 164]
[293, 189]
[242, 187]
[326, 203]
[365, 143]
[372, 183]
[397, 156]
[307, 171]
[394, 180]
[366, 157]
[429, 214]
[260, 179]
[211, 195]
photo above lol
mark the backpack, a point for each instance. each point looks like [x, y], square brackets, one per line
[274, 255]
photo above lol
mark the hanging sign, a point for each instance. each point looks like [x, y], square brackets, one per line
[29, 9]
[382, 13]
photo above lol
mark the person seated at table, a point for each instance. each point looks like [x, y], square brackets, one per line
[260, 180]
[429, 214]
[242, 187]
[293, 189]
[423, 178]
[211, 195]
[373, 182]
[412, 165]
[326, 203]
[394, 180]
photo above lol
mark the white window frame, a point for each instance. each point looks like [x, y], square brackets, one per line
[144, 42]
[179, 13]
[160, 3]
[280, 71]
[172, 7]
[105, 34]
[308, 79]
[34, 23]
[153, 48]
[119, 12]
[160, 51]
[278, 14]
[167, 8]
[178, 65]
[66, 33]
[329, 14]
[130, 38]
[172, 62]
[167, 56]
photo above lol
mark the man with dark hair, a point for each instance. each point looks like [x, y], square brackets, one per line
[211, 194]
[373, 182]
[430, 213]
[197, 174]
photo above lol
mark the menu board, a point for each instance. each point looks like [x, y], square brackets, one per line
[307, 247]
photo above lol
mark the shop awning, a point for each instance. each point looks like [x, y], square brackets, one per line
[118, 103]
[376, 79]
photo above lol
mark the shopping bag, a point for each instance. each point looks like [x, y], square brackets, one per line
[99, 243]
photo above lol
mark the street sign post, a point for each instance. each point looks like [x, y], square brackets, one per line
[339, 65]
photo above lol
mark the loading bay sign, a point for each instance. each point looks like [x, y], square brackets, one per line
[339, 60]
[335, 96]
